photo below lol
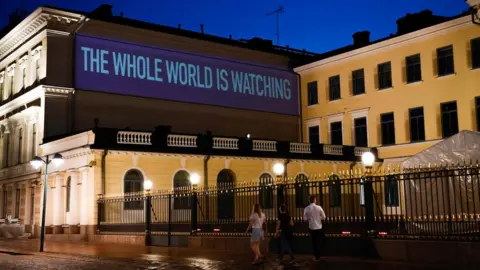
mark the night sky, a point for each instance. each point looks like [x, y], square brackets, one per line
[315, 25]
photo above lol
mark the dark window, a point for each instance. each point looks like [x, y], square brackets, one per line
[414, 68]
[445, 61]
[314, 134]
[266, 191]
[384, 75]
[17, 203]
[417, 125]
[5, 203]
[391, 191]
[334, 83]
[312, 93]
[361, 137]
[336, 137]
[358, 82]
[477, 103]
[475, 43]
[133, 183]
[7, 150]
[334, 191]
[34, 140]
[181, 189]
[225, 196]
[20, 145]
[388, 129]
[301, 191]
[449, 118]
[67, 199]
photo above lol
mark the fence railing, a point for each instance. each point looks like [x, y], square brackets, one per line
[431, 202]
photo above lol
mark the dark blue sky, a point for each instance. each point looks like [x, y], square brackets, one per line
[315, 25]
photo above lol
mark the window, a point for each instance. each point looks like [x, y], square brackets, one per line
[24, 78]
[388, 129]
[336, 137]
[181, 188]
[20, 146]
[7, 150]
[475, 45]
[17, 203]
[361, 137]
[449, 118]
[445, 61]
[133, 183]
[391, 191]
[314, 134]
[358, 82]
[225, 197]
[384, 75]
[417, 125]
[34, 140]
[37, 69]
[334, 83]
[67, 197]
[334, 191]
[301, 191]
[5, 202]
[312, 93]
[414, 68]
[266, 191]
[477, 103]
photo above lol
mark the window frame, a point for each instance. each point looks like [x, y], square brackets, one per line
[475, 52]
[477, 106]
[442, 119]
[355, 82]
[5, 202]
[17, 203]
[181, 187]
[411, 118]
[265, 191]
[312, 93]
[388, 76]
[334, 88]
[334, 191]
[310, 134]
[391, 191]
[383, 124]
[447, 60]
[340, 123]
[413, 67]
[135, 204]
[301, 191]
[355, 131]
[20, 146]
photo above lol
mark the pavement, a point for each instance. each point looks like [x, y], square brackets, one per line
[22, 254]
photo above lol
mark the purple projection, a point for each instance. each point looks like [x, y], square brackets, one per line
[130, 69]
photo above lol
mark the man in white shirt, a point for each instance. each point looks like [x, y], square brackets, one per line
[314, 214]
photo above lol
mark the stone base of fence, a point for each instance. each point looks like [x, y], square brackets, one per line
[225, 243]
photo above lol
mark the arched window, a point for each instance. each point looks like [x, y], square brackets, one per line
[226, 198]
[181, 187]
[391, 191]
[67, 197]
[266, 191]
[133, 183]
[301, 191]
[334, 191]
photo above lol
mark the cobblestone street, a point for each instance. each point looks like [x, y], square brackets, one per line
[22, 255]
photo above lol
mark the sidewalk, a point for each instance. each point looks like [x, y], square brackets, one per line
[108, 256]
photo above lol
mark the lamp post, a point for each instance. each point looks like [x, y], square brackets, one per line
[147, 186]
[36, 163]
[368, 159]
[194, 180]
[279, 170]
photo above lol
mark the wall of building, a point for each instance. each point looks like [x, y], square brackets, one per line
[429, 93]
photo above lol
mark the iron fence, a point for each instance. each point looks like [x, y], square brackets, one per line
[435, 202]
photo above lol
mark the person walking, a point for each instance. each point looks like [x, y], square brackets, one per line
[314, 215]
[258, 224]
[284, 231]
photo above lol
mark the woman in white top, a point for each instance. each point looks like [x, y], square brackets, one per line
[257, 222]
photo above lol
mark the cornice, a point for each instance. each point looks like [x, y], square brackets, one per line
[57, 90]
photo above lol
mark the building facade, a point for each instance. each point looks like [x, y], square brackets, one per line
[401, 94]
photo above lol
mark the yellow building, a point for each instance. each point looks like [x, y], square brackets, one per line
[401, 94]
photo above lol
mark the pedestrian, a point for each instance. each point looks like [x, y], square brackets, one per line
[258, 224]
[314, 214]
[284, 231]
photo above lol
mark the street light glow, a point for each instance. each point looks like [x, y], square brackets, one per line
[36, 163]
[195, 179]
[57, 160]
[278, 169]
[368, 159]
[147, 185]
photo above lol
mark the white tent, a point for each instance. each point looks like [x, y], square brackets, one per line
[461, 147]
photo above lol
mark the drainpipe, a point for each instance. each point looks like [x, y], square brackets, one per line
[285, 173]
[104, 170]
[300, 105]
[74, 63]
[205, 177]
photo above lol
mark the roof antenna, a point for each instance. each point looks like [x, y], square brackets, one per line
[179, 26]
[279, 10]
[201, 28]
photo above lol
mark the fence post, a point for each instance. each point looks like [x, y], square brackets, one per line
[169, 225]
[369, 205]
[193, 212]
[148, 220]
[99, 211]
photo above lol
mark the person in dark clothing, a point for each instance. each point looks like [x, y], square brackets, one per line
[284, 230]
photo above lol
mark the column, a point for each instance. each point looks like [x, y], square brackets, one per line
[74, 204]
[84, 197]
[58, 200]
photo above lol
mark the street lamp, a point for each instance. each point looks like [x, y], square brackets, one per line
[368, 159]
[36, 163]
[147, 186]
[194, 180]
[278, 169]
